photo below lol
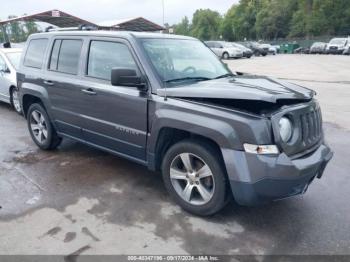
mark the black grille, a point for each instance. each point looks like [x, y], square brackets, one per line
[311, 127]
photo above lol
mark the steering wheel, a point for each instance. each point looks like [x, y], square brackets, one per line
[189, 68]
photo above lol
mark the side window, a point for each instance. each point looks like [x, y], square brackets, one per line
[103, 56]
[65, 56]
[54, 55]
[35, 53]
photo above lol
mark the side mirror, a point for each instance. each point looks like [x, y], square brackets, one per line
[127, 77]
[4, 69]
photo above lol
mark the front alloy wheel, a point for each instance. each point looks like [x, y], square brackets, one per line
[194, 176]
[192, 179]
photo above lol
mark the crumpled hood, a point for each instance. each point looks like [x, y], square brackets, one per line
[242, 87]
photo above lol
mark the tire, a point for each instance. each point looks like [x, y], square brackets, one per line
[14, 99]
[41, 129]
[225, 56]
[212, 183]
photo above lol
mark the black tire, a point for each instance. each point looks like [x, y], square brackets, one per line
[210, 157]
[15, 103]
[52, 140]
[225, 56]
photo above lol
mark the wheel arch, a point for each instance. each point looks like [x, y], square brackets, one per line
[169, 136]
[28, 100]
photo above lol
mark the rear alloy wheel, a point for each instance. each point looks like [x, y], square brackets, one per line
[41, 129]
[194, 178]
[15, 100]
[225, 56]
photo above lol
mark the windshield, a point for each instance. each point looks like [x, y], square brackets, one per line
[14, 59]
[338, 42]
[181, 59]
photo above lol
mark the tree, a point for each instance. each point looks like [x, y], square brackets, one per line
[183, 28]
[31, 27]
[270, 19]
[205, 24]
[274, 18]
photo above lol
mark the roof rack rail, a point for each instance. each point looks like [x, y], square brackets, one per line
[82, 27]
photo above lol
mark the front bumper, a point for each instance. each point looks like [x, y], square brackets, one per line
[247, 54]
[258, 179]
[335, 51]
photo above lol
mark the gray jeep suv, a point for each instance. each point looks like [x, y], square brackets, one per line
[167, 102]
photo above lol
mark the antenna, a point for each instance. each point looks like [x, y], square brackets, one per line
[165, 96]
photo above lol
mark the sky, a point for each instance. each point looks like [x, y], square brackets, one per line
[103, 10]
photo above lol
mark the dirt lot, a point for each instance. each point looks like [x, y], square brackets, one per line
[78, 199]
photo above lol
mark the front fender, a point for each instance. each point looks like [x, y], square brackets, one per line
[217, 130]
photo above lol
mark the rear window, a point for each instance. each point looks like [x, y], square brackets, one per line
[35, 53]
[65, 56]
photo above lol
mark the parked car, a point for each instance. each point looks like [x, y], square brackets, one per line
[347, 48]
[167, 102]
[224, 49]
[277, 47]
[9, 62]
[302, 50]
[318, 48]
[255, 47]
[247, 52]
[269, 48]
[337, 46]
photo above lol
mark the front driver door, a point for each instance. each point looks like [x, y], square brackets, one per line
[117, 117]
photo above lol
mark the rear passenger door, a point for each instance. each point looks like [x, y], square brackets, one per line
[63, 84]
[117, 116]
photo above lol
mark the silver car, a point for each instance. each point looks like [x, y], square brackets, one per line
[224, 49]
[9, 61]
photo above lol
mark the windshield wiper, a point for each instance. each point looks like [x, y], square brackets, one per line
[223, 76]
[188, 78]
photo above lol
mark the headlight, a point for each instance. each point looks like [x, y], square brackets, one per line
[286, 129]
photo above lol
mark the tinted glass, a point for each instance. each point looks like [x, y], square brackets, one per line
[35, 53]
[54, 54]
[69, 56]
[178, 58]
[103, 56]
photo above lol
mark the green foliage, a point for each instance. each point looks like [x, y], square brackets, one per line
[18, 31]
[270, 19]
[183, 28]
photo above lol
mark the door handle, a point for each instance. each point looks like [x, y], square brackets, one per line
[89, 91]
[48, 82]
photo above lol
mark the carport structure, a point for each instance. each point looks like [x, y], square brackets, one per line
[61, 19]
[53, 17]
[132, 24]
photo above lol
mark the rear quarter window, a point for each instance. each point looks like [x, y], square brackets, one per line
[35, 53]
